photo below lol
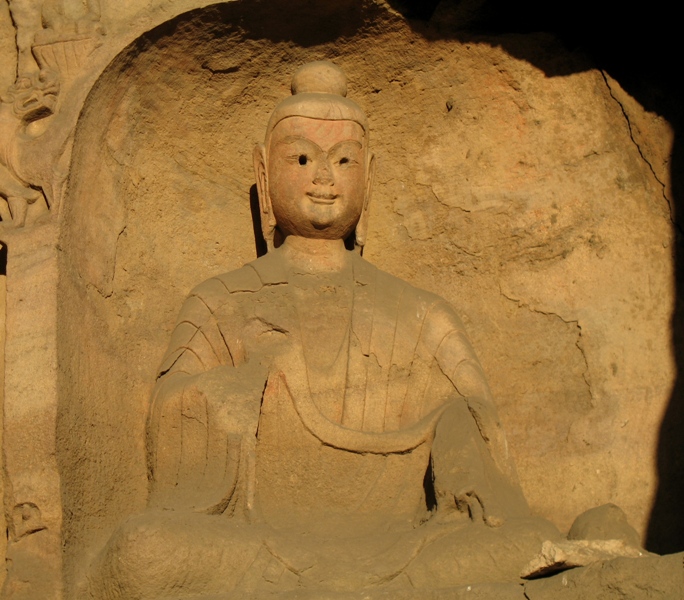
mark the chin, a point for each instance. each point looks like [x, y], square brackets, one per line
[326, 231]
[323, 226]
[323, 217]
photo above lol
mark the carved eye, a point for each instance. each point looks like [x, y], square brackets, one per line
[303, 159]
[344, 160]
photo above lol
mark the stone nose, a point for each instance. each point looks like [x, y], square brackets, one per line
[323, 174]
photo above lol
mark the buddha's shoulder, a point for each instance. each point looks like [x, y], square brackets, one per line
[250, 278]
[366, 272]
[409, 299]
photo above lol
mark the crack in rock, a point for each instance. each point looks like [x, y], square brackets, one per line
[575, 322]
[641, 153]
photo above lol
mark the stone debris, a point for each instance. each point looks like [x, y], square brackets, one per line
[568, 554]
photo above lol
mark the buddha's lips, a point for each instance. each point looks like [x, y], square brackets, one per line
[322, 197]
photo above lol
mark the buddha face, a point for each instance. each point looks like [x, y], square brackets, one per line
[317, 176]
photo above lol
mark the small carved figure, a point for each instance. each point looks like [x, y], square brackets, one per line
[34, 96]
[19, 106]
[319, 424]
[26, 519]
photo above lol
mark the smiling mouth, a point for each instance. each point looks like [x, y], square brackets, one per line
[322, 197]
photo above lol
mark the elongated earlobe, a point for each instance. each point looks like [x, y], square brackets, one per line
[268, 223]
[362, 225]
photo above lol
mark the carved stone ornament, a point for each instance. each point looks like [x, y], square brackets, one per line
[34, 97]
[62, 50]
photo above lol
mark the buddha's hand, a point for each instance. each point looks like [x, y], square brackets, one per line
[466, 482]
[232, 395]
[472, 500]
[481, 508]
[202, 432]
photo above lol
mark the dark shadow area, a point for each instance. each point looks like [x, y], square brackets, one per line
[639, 47]
[307, 23]
[259, 241]
[666, 526]
[429, 487]
[3, 259]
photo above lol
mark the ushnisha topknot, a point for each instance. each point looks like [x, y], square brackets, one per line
[319, 91]
[319, 77]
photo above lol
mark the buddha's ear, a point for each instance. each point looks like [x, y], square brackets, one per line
[268, 222]
[362, 225]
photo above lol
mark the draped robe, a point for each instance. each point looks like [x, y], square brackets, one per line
[236, 430]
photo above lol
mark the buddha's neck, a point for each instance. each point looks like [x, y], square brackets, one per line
[315, 255]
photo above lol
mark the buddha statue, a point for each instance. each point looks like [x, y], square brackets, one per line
[317, 424]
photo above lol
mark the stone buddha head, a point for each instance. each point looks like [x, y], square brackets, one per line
[314, 171]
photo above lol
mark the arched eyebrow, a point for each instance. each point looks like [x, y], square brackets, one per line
[291, 139]
[356, 143]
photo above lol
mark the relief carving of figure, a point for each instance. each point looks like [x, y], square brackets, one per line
[318, 424]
